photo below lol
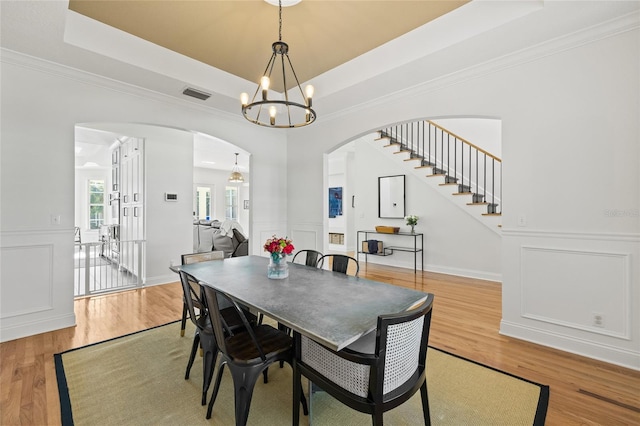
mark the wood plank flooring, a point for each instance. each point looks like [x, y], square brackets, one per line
[465, 321]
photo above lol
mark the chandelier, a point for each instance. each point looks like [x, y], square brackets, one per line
[279, 113]
[235, 175]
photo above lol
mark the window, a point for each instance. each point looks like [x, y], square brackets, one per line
[96, 203]
[203, 202]
[231, 203]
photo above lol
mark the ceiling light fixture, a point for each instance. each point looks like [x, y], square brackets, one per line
[274, 112]
[236, 176]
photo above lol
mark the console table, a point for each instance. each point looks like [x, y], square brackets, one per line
[388, 250]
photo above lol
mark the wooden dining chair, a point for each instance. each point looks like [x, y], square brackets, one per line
[339, 263]
[204, 338]
[188, 259]
[247, 355]
[378, 372]
[307, 257]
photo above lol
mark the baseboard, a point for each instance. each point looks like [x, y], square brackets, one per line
[36, 327]
[589, 349]
[467, 273]
[161, 279]
[460, 272]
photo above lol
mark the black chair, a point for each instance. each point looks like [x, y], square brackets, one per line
[204, 336]
[188, 259]
[340, 263]
[247, 355]
[307, 257]
[378, 372]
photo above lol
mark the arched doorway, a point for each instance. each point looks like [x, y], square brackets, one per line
[169, 167]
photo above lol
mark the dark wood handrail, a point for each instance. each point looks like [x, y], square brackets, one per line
[465, 141]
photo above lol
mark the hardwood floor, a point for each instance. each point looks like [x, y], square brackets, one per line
[465, 321]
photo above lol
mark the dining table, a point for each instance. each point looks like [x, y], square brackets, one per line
[332, 308]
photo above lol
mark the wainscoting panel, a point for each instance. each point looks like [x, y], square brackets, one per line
[585, 290]
[36, 284]
[305, 239]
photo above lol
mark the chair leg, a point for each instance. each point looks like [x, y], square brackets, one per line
[425, 404]
[244, 380]
[377, 417]
[208, 363]
[192, 356]
[297, 393]
[183, 325]
[216, 387]
[305, 407]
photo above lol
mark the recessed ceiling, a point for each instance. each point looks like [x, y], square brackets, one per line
[236, 36]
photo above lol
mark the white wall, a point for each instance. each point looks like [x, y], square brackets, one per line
[41, 104]
[454, 243]
[571, 161]
[482, 132]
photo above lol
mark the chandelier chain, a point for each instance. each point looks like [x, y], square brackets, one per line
[279, 20]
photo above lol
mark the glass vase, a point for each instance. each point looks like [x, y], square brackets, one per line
[278, 268]
[412, 229]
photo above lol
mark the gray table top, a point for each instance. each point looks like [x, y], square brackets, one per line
[329, 307]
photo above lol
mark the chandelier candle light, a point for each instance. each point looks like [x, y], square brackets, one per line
[279, 113]
[279, 248]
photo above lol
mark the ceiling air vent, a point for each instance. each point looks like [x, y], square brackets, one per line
[195, 93]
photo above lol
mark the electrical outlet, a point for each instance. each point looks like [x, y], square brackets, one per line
[598, 319]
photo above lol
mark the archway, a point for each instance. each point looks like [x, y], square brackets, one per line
[171, 161]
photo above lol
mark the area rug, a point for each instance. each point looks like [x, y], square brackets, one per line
[138, 379]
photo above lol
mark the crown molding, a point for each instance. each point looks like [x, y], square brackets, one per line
[607, 29]
[53, 68]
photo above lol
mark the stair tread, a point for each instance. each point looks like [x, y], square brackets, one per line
[491, 214]
[448, 183]
[462, 193]
[483, 203]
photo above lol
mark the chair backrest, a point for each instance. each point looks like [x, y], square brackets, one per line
[307, 257]
[340, 263]
[391, 359]
[188, 259]
[213, 299]
[192, 297]
[401, 347]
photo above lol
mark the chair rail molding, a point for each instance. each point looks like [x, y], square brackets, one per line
[609, 236]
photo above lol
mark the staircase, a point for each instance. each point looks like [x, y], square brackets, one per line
[465, 173]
